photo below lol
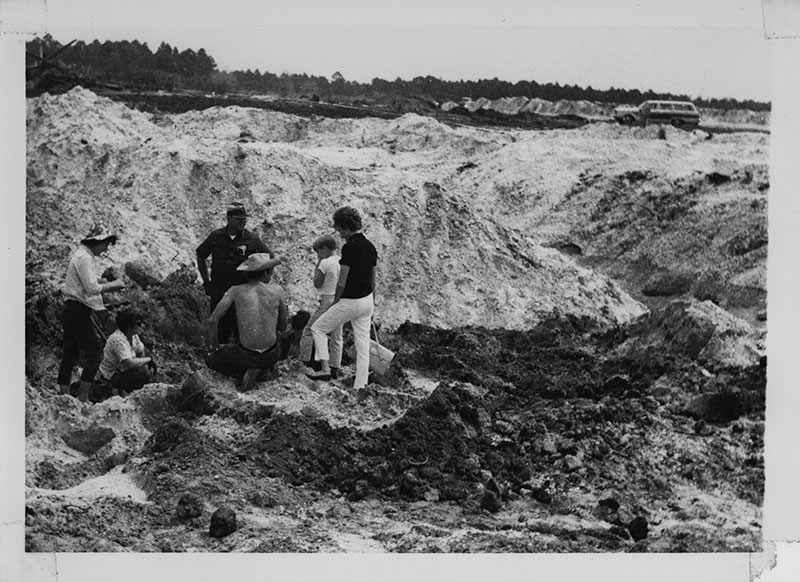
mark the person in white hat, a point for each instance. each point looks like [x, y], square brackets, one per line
[83, 294]
[261, 314]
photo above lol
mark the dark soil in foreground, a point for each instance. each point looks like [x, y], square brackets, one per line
[531, 442]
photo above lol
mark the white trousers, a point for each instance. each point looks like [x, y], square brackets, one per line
[307, 340]
[359, 313]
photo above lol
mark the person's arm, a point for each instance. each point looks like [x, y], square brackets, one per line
[202, 268]
[138, 346]
[203, 251]
[220, 310]
[373, 277]
[283, 316]
[88, 277]
[344, 270]
[319, 276]
[133, 362]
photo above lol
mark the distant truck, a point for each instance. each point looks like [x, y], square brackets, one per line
[676, 113]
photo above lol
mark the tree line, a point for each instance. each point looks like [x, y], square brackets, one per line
[135, 66]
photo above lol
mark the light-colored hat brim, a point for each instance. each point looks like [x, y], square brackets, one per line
[253, 266]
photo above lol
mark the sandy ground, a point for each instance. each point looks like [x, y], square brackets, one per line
[645, 246]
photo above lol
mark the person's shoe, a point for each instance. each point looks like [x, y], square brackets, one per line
[319, 376]
[313, 364]
[249, 379]
[83, 391]
[334, 373]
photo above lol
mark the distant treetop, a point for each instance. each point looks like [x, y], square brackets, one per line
[134, 65]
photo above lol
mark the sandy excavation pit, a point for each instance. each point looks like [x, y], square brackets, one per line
[578, 317]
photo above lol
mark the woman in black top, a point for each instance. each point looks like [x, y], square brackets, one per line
[354, 296]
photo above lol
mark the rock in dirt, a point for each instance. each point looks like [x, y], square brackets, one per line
[89, 440]
[608, 512]
[638, 528]
[719, 407]
[667, 284]
[310, 412]
[620, 531]
[223, 522]
[701, 428]
[491, 501]
[142, 273]
[716, 178]
[409, 485]
[196, 396]
[571, 463]
[541, 495]
[170, 434]
[616, 385]
[703, 331]
[189, 506]
[609, 503]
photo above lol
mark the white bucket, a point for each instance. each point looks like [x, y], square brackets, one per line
[380, 358]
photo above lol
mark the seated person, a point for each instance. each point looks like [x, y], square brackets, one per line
[261, 314]
[124, 363]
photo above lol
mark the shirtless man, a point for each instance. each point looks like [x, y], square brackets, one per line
[260, 313]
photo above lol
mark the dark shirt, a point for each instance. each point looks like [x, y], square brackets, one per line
[360, 256]
[227, 254]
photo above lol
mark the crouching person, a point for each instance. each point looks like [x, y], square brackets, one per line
[261, 314]
[125, 364]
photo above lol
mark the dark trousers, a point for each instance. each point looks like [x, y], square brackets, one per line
[132, 378]
[234, 360]
[79, 335]
[227, 330]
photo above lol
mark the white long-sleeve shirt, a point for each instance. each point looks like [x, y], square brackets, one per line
[81, 283]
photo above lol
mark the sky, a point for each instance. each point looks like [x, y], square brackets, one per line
[713, 48]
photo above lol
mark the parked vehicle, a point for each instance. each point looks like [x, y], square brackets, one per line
[677, 113]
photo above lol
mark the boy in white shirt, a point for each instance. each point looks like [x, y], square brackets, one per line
[326, 275]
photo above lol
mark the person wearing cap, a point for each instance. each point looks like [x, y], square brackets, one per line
[261, 315]
[83, 299]
[228, 247]
[353, 300]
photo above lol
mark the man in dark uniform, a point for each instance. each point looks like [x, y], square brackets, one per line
[228, 247]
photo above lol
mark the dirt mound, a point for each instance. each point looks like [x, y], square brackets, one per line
[704, 332]
[190, 167]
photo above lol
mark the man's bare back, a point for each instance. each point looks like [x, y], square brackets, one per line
[260, 311]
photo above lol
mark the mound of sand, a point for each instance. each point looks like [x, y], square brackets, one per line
[162, 183]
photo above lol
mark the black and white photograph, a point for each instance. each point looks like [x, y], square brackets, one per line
[308, 281]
